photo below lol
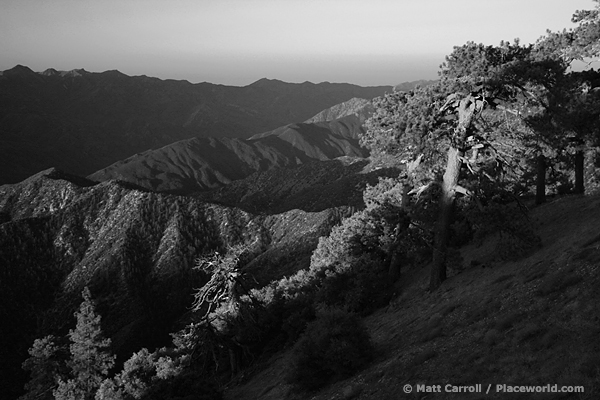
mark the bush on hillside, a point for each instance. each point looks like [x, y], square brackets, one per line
[334, 346]
[349, 265]
[496, 212]
[362, 289]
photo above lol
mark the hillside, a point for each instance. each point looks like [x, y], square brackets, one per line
[204, 163]
[534, 321]
[531, 321]
[81, 121]
[362, 108]
[135, 249]
[314, 186]
[408, 86]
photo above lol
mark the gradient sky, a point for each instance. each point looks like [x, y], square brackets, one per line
[236, 42]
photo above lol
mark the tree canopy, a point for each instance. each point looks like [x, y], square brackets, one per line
[489, 116]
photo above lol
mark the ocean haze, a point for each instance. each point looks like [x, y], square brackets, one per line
[243, 70]
[234, 42]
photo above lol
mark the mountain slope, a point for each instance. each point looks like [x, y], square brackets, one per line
[408, 86]
[534, 321]
[81, 121]
[362, 108]
[314, 186]
[134, 249]
[203, 163]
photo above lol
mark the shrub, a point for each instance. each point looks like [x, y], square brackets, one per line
[362, 289]
[497, 213]
[333, 346]
[301, 312]
[188, 385]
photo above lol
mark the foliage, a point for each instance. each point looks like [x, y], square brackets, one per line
[579, 43]
[570, 114]
[109, 390]
[524, 101]
[349, 264]
[137, 374]
[78, 374]
[349, 268]
[90, 358]
[334, 346]
[499, 214]
[226, 279]
[226, 317]
[355, 236]
[404, 125]
[464, 131]
[362, 290]
[46, 363]
[149, 375]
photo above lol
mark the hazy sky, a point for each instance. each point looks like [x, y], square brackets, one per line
[236, 42]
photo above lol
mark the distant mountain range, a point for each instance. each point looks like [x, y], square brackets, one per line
[82, 122]
[253, 172]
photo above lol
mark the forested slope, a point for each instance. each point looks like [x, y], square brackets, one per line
[135, 249]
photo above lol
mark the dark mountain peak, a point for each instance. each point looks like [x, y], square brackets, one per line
[266, 82]
[114, 72]
[21, 68]
[19, 71]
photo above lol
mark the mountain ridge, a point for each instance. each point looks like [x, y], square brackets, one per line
[83, 121]
[362, 108]
[205, 163]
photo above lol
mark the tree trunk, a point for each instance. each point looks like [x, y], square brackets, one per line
[442, 234]
[589, 169]
[466, 110]
[540, 185]
[395, 254]
[579, 158]
[395, 263]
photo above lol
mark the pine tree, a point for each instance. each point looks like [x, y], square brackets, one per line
[464, 130]
[90, 358]
[44, 366]
[574, 98]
